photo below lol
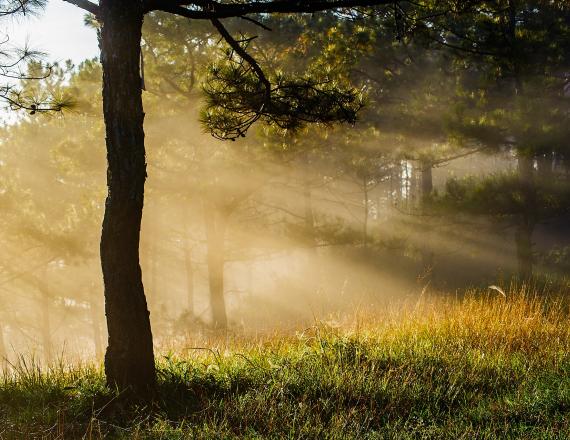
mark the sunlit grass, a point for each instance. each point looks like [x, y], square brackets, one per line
[483, 366]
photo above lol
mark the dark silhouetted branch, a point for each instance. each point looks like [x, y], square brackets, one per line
[214, 9]
[85, 5]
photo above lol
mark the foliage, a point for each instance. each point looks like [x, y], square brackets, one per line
[19, 66]
[503, 196]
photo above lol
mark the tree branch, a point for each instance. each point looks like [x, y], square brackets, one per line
[247, 57]
[85, 5]
[213, 9]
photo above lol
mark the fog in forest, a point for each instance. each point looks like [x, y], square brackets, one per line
[281, 227]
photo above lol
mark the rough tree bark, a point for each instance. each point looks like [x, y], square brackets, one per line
[129, 360]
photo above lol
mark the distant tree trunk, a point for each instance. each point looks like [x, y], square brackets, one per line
[523, 237]
[427, 178]
[250, 279]
[396, 183]
[408, 183]
[189, 267]
[311, 271]
[216, 221]
[45, 326]
[427, 254]
[189, 277]
[366, 212]
[545, 166]
[46, 329]
[309, 213]
[129, 361]
[96, 327]
[3, 351]
[153, 295]
[526, 223]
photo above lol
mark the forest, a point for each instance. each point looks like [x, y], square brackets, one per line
[344, 219]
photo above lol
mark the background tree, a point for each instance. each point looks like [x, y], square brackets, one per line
[513, 63]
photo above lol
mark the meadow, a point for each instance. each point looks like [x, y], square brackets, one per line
[474, 366]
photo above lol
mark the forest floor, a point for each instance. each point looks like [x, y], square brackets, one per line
[482, 367]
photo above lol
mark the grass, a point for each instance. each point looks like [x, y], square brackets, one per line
[482, 367]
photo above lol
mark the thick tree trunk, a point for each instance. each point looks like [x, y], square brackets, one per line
[129, 361]
[215, 236]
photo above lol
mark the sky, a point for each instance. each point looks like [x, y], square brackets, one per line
[58, 31]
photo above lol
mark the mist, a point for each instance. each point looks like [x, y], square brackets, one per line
[285, 226]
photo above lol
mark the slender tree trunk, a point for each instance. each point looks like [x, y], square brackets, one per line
[188, 263]
[427, 253]
[250, 279]
[215, 236]
[312, 270]
[366, 213]
[153, 295]
[427, 178]
[545, 166]
[523, 236]
[526, 223]
[95, 325]
[309, 213]
[396, 183]
[3, 351]
[408, 182]
[189, 277]
[45, 304]
[46, 327]
[129, 361]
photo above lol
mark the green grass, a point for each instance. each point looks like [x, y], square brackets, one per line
[482, 368]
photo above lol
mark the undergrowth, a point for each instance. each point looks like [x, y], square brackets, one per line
[482, 367]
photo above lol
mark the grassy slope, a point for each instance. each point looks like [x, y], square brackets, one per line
[482, 368]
